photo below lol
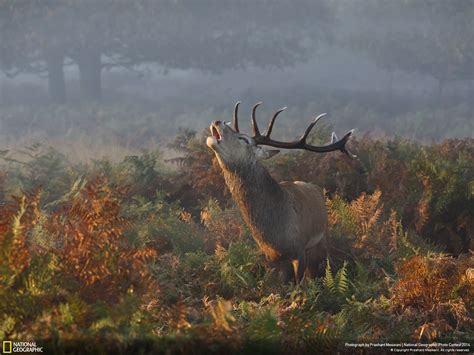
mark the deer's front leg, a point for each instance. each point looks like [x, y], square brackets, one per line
[302, 265]
[285, 268]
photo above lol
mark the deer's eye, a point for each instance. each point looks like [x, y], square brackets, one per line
[244, 139]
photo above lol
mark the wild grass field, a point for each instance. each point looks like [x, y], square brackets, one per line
[139, 253]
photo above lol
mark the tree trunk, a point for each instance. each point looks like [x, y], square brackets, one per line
[56, 83]
[90, 70]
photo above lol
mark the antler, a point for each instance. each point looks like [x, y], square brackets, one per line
[264, 139]
[236, 118]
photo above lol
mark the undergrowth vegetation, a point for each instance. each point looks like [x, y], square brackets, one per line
[147, 257]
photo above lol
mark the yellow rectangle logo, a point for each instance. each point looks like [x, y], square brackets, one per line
[7, 347]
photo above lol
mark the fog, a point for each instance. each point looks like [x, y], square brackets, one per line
[387, 68]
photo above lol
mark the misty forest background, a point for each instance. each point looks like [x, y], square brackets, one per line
[115, 223]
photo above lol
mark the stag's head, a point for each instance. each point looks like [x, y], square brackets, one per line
[233, 147]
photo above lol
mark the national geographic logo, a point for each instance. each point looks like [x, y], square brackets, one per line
[9, 347]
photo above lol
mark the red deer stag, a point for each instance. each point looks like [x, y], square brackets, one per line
[288, 220]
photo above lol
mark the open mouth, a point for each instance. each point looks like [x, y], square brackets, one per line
[215, 133]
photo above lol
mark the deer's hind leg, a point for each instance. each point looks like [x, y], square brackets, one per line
[316, 257]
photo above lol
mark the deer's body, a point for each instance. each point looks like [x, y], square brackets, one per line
[288, 220]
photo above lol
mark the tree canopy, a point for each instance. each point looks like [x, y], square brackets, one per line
[433, 38]
[42, 36]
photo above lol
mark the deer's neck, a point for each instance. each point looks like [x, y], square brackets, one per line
[261, 202]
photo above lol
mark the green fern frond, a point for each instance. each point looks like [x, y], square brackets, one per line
[328, 280]
[341, 280]
[325, 338]
[76, 188]
[338, 284]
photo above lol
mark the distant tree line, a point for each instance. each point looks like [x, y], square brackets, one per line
[433, 38]
[43, 36]
[430, 37]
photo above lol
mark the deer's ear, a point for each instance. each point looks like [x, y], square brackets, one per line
[263, 154]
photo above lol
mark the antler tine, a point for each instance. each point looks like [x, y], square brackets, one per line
[236, 118]
[256, 131]
[301, 142]
[310, 127]
[270, 126]
[344, 149]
